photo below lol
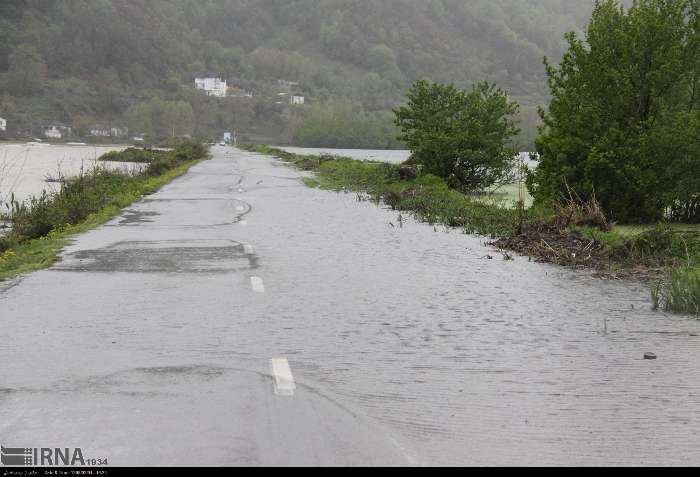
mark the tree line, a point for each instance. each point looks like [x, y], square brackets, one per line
[622, 127]
[90, 61]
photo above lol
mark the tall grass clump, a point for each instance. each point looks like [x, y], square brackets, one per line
[133, 154]
[77, 198]
[680, 293]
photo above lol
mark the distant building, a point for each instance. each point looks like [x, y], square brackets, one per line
[297, 99]
[212, 86]
[3, 125]
[103, 131]
[56, 131]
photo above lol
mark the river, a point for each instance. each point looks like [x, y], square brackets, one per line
[24, 168]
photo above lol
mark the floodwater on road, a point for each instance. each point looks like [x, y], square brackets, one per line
[148, 343]
[24, 168]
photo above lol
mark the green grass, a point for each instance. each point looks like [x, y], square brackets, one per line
[311, 182]
[660, 245]
[680, 293]
[27, 253]
[133, 155]
[506, 196]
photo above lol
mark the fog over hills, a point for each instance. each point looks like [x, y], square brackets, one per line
[81, 61]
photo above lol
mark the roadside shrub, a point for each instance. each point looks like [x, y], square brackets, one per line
[78, 198]
[160, 166]
[663, 246]
[87, 193]
[464, 137]
[680, 293]
[190, 150]
[618, 126]
[184, 152]
[132, 155]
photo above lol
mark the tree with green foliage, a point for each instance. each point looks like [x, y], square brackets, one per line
[157, 118]
[27, 71]
[463, 136]
[623, 122]
[344, 125]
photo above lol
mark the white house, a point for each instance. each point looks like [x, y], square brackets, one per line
[212, 86]
[3, 125]
[103, 131]
[56, 131]
[297, 99]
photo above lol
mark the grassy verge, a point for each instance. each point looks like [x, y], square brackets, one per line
[44, 225]
[133, 155]
[666, 255]
[679, 293]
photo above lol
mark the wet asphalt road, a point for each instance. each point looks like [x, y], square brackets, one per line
[150, 342]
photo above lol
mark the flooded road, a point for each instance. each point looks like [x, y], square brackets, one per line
[239, 318]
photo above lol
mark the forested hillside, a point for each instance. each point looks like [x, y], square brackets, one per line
[87, 61]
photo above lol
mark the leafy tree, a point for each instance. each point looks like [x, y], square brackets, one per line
[342, 124]
[624, 109]
[27, 71]
[159, 118]
[462, 136]
[179, 117]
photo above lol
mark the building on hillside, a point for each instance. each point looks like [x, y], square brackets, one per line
[3, 125]
[212, 86]
[56, 131]
[297, 99]
[105, 131]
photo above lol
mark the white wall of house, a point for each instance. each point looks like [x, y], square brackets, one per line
[3, 125]
[297, 99]
[52, 133]
[99, 131]
[212, 86]
[56, 132]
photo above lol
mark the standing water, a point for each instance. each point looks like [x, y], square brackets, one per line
[458, 358]
[25, 168]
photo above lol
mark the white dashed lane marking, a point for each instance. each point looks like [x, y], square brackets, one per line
[258, 285]
[282, 374]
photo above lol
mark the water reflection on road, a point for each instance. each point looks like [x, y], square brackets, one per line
[458, 359]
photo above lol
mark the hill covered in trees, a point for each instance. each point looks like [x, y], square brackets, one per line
[82, 62]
